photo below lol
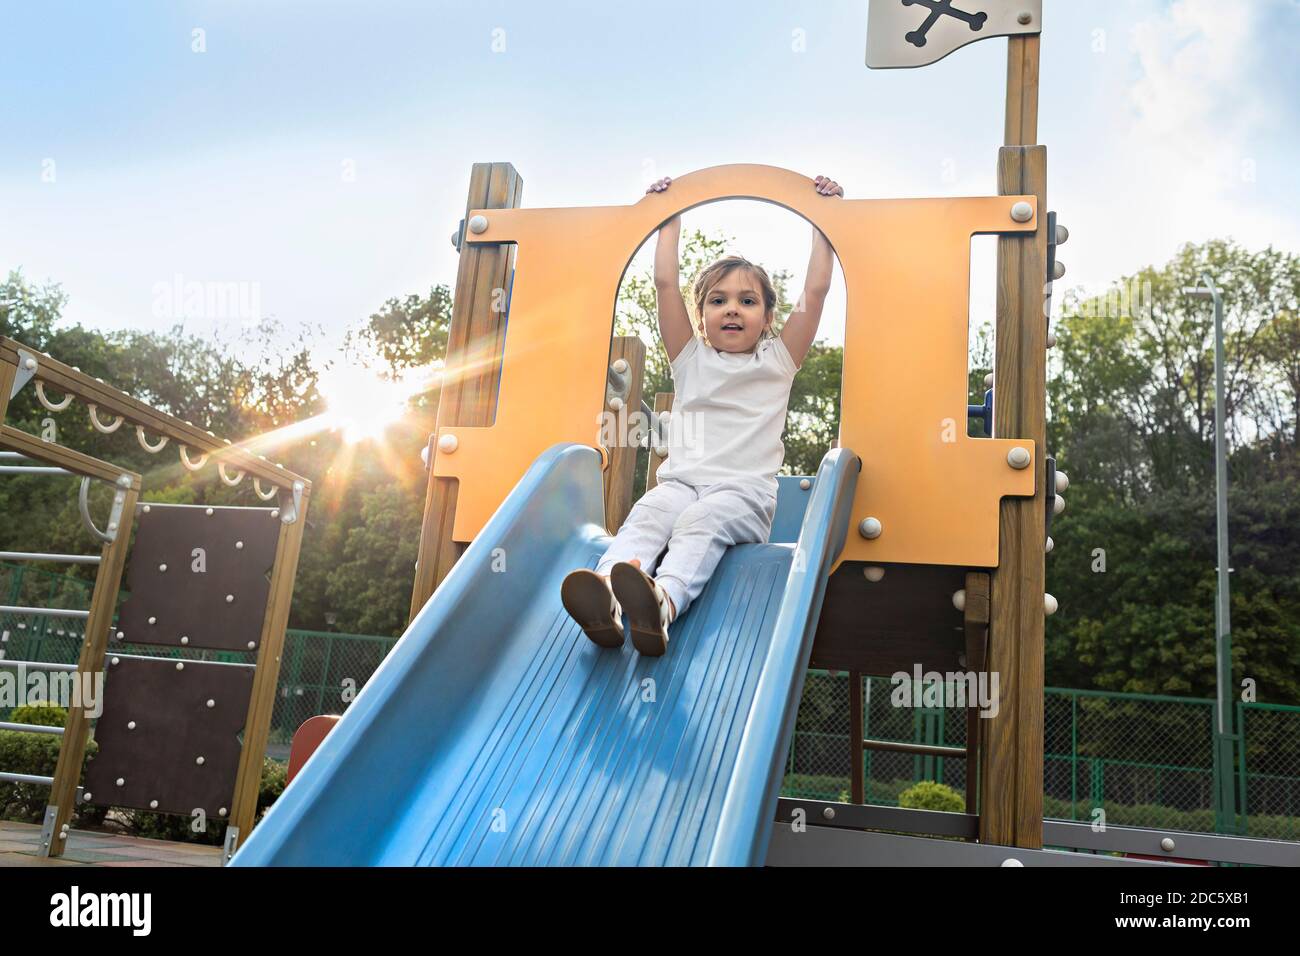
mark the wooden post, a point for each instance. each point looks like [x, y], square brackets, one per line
[1021, 126]
[7, 373]
[261, 702]
[1012, 797]
[663, 403]
[622, 456]
[473, 368]
[90, 670]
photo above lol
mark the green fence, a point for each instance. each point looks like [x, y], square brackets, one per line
[1142, 760]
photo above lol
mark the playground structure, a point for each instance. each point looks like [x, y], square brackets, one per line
[176, 734]
[493, 733]
[933, 554]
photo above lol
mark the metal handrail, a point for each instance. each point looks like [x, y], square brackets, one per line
[44, 611]
[42, 556]
[31, 728]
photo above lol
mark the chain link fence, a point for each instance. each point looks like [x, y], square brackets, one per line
[1142, 760]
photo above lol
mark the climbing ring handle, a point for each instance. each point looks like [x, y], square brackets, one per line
[144, 442]
[100, 426]
[40, 394]
[192, 465]
[264, 495]
[221, 470]
[83, 501]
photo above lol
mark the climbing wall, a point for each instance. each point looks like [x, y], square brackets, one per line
[169, 736]
[198, 577]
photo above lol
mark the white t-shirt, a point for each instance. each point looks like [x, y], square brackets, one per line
[729, 410]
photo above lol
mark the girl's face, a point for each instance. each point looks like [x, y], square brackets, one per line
[734, 316]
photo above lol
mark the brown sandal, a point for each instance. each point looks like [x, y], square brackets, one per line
[588, 599]
[646, 605]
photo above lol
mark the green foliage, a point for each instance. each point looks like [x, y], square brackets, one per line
[38, 755]
[929, 795]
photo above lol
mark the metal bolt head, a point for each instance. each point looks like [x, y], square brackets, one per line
[153, 620]
[829, 813]
[121, 781]
[211, 702]
[230, 599]
[959, 599]
[1011, 861]
[145, 509]
[298, 486]
[199, 761]
[1018, 457]
[163, 568]
[124, 481]
[870, 528]
[804, 484]
[239, 546]
[252, 645]
[130, 725]
[448, 444]
[185, 639]
[1062, 235]
[209, 512]
[1058, 269]
[153, 804]
[478, 224]
[1167, 844]
[29, 364]
[180, 665]
[873, 573]
[1021, 211]
[620, 366]
[1024, 18]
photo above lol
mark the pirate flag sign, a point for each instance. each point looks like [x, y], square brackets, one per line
[903, 33]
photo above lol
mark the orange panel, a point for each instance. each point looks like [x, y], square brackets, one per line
[906, 265]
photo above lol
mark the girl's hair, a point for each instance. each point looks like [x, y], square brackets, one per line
[714, 273]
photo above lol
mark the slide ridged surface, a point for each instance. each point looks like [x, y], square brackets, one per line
[495, 733]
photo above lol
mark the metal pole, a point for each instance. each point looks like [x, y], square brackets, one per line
[1224, 735]
[1223, 630]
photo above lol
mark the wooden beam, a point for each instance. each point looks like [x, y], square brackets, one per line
[48, 453]
[1012, 779]
[473, 368]
[622, 456]
[110, 403]
[90, 668]
[261, 703]
[1021, 124]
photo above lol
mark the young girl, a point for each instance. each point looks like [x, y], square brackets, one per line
[732, 373]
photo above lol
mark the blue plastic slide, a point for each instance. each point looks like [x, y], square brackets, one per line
[495, 733]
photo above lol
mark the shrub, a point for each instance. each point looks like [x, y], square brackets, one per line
[928, 795]
[38, 755]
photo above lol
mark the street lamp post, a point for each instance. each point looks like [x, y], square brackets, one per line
[1225, 736]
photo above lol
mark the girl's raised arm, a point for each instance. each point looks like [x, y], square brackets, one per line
[674, 321]
[800, 328]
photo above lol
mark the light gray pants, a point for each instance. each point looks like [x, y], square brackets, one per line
[697, 524]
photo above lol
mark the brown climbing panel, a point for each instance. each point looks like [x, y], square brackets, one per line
[198, 577]
[183, 750]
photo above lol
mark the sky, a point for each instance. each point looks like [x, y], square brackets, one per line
[307, 161]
